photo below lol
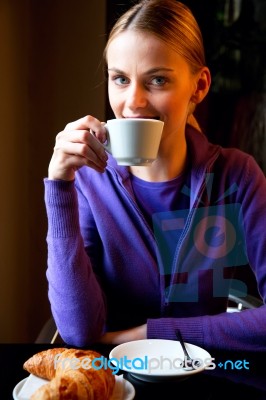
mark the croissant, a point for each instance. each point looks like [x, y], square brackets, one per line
[71, 385]
[42, 364]
[71, 375]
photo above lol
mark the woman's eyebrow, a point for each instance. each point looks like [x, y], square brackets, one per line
[118, 71]
[150, 71]
[159, 69]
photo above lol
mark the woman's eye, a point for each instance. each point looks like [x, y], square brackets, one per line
[158, 81]
[120, 80]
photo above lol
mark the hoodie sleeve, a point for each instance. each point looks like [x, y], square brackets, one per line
[76, 298]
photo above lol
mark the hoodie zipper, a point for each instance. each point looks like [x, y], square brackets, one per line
[166, 297]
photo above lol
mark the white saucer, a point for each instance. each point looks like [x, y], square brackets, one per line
[123, 390]
[156, 360]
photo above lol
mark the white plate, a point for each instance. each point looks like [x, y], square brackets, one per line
[123, 390]
[157, 359]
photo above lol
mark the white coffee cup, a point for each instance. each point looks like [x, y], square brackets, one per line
[133, 141]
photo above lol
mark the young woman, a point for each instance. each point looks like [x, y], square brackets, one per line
[135, 252]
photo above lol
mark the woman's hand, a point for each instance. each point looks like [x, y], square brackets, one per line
[76, 146]
[118, 337]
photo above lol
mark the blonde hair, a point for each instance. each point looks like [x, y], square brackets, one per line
[169, 20]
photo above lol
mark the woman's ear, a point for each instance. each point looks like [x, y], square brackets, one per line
[202, 83]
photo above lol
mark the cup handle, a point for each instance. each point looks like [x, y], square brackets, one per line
[107, 144]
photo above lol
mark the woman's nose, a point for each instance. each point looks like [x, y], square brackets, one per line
[136, 97]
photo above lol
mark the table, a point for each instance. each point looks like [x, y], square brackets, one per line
[237, 375]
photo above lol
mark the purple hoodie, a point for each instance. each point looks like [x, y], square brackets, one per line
[107, 267]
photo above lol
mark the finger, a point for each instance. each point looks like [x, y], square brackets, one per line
[80, 162]
[88, 142]
[66, 169]
[65, 149]
[89, 123]
[63, 165]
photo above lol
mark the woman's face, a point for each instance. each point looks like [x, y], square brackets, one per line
[147, 79]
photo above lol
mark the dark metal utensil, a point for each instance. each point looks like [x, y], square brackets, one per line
[189, 363]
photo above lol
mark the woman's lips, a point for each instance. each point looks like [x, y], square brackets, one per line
[143, 117]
